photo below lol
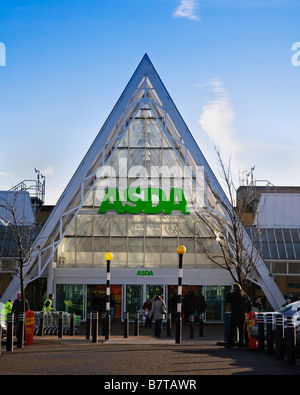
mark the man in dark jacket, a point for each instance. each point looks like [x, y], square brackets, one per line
[240, 305]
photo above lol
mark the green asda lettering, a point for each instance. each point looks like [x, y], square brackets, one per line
[134, 204]
[144, 273]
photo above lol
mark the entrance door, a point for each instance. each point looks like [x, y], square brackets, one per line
[215, 302]
[134, 299]
[153, 290]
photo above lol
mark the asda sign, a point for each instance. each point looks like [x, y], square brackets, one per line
[148, 200]
[144, 273]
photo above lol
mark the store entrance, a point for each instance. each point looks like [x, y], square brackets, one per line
[96, 295]
[137, 294]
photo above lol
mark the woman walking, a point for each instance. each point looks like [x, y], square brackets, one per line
[158, 309]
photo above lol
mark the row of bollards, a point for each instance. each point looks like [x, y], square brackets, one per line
[278, 336]
[92, 325]
[19, 328]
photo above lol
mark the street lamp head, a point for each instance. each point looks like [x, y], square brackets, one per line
[181, 250]
[108, 256]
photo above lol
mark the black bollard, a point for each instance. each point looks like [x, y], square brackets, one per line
[10, 332]
[200, 325]
[95, 327]
[178, 328]
[136, 324]
[279, 335]
[261, 331]
[169, 324]
[72, 324]
[270, 335]
[291, 341]
[107, 325]
[191, 326]
[103, 323]
[20, 330]
[126, 325]
[41, 327]
[88, 326]
[60, 324]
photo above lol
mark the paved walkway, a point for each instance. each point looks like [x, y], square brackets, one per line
[143, 356]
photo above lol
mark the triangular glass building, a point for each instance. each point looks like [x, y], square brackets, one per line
[134, 194]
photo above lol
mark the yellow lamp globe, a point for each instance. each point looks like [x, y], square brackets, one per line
[181, 250]
[108, 256]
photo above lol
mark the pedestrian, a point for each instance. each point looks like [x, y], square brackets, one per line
[6, 309]
[48, 303]
[18, 307]
[240, 305]
[258, 304]
[158, 309]
[146, 309]
[201, 305]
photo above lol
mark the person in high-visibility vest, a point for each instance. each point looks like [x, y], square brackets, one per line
[6, 309]
[48, 303]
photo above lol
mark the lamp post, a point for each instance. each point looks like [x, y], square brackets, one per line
[108, 256]
[180, 251]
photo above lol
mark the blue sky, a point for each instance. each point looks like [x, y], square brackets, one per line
[226, 64]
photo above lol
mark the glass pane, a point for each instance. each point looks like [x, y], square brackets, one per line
[295, 235]
[137, 157]
[134, 299]
[290, 251]
[135, 244]
[84, 225]
[297, 250]
[169, 245]
[279, 236]
[101, 244]
[273, 250]
[120, 259]
[118, 244]
[84, 259]
[152, 252]
[69, 298]
[189, 244]
[66, 253]
[118, 225]
[101, 225]
[281, 250]
[83, 244]
[170, 226]
[271, 236]
[153, 225]
[287, 235]
[154, 290]
[135, 259]
[152, 158]
[99, 260]
[215, 302]
[152, 244]
[136, 225]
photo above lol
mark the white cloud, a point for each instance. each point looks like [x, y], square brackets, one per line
[217, 121]
[48, 171]
[186, 9]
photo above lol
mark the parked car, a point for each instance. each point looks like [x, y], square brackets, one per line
[292, 309]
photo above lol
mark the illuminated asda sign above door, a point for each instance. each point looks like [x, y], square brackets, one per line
[148, 200]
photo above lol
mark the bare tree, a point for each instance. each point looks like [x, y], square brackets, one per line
[225, 241]
[19, 233]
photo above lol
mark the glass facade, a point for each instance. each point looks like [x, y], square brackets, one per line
[143, 151]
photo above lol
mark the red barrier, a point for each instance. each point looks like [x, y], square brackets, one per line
[251, 322]
[29, 327]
